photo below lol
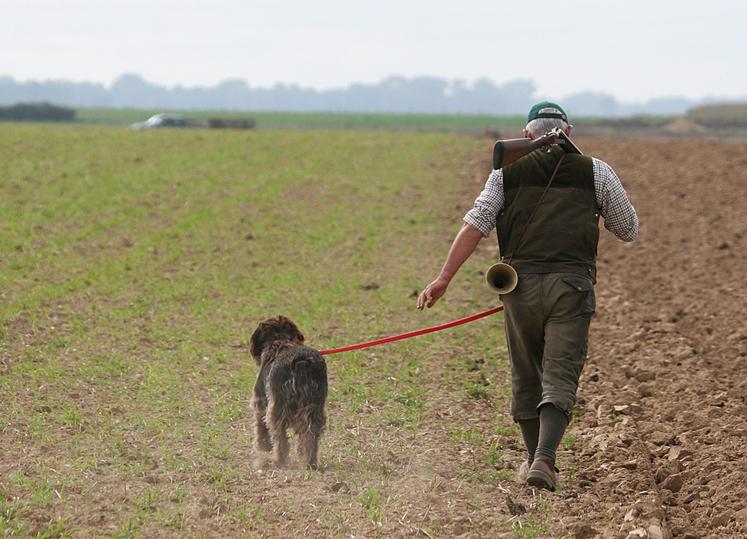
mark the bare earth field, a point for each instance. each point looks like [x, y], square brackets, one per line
[130, 281]
[664, 421]
[658, 439]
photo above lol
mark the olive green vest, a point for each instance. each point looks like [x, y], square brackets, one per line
[563, 235]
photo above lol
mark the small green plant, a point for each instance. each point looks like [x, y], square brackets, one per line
[477, 391]
[370, 499]
[72, 418]
[10, 523]
[506, 475]
[524, 531]
[173, 519]
[509, 430]
[231, 412]
[148, 500]
[43, 495]
[55, 530]
[529, 529]
[492, 457]
[460, 435]
[127, 530]
[569, 441]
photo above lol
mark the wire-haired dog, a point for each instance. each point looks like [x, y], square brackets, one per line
[290, 392]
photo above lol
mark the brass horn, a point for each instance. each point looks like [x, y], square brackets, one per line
[502, 277]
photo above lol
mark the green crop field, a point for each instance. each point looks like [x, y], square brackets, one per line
[320, 120]
[133, 268]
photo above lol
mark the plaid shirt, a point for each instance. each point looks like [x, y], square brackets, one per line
[619, 215]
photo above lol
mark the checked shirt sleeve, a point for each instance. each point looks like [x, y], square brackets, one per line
[619, 215]
[487, 204]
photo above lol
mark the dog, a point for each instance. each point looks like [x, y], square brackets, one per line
[290, 392]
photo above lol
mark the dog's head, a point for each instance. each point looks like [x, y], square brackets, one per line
[271, 330]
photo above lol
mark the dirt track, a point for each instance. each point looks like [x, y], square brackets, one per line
[662, 423]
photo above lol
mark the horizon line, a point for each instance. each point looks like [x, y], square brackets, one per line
[450, 82]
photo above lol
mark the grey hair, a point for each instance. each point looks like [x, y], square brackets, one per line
[540, 126]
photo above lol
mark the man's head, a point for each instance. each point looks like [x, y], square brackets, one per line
[545, 116]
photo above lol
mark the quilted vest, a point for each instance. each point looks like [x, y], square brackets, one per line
[564, 233]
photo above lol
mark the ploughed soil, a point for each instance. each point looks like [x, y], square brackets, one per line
[661, 428]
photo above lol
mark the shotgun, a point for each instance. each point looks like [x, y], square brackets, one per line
[506, 152]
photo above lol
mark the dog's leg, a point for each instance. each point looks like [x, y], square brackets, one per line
[308, 439]
[262, 440]
[276, 424]
[308, 447]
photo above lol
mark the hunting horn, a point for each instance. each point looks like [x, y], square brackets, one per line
[502, 277]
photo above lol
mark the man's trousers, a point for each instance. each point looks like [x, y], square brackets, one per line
[547, 321]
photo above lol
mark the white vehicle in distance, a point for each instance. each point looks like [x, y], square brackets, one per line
[162, 120]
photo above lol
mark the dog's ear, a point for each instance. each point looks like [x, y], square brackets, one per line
[257, 342]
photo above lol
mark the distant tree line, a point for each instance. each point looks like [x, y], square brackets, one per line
[36, 112]
[393, 94]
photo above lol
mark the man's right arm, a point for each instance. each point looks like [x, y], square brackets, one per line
[463, 246]
[478, 222]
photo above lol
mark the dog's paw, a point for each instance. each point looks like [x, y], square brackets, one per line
[262, 462]
[263, 446]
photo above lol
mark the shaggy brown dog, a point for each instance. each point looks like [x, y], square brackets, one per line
[290, 392]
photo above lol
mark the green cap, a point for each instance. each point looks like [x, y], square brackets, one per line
[546, 109]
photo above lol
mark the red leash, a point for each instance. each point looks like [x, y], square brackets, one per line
[413, 333]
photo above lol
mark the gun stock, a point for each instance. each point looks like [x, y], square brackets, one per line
[507, 151]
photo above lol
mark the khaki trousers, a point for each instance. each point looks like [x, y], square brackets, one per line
[547, 321]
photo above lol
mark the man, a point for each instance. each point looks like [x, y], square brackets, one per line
[553, 249]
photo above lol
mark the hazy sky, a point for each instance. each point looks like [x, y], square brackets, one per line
[633, 49]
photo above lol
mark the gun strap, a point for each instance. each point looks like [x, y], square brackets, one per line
[536, 207]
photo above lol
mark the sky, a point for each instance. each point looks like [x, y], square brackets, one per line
[632, 49]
